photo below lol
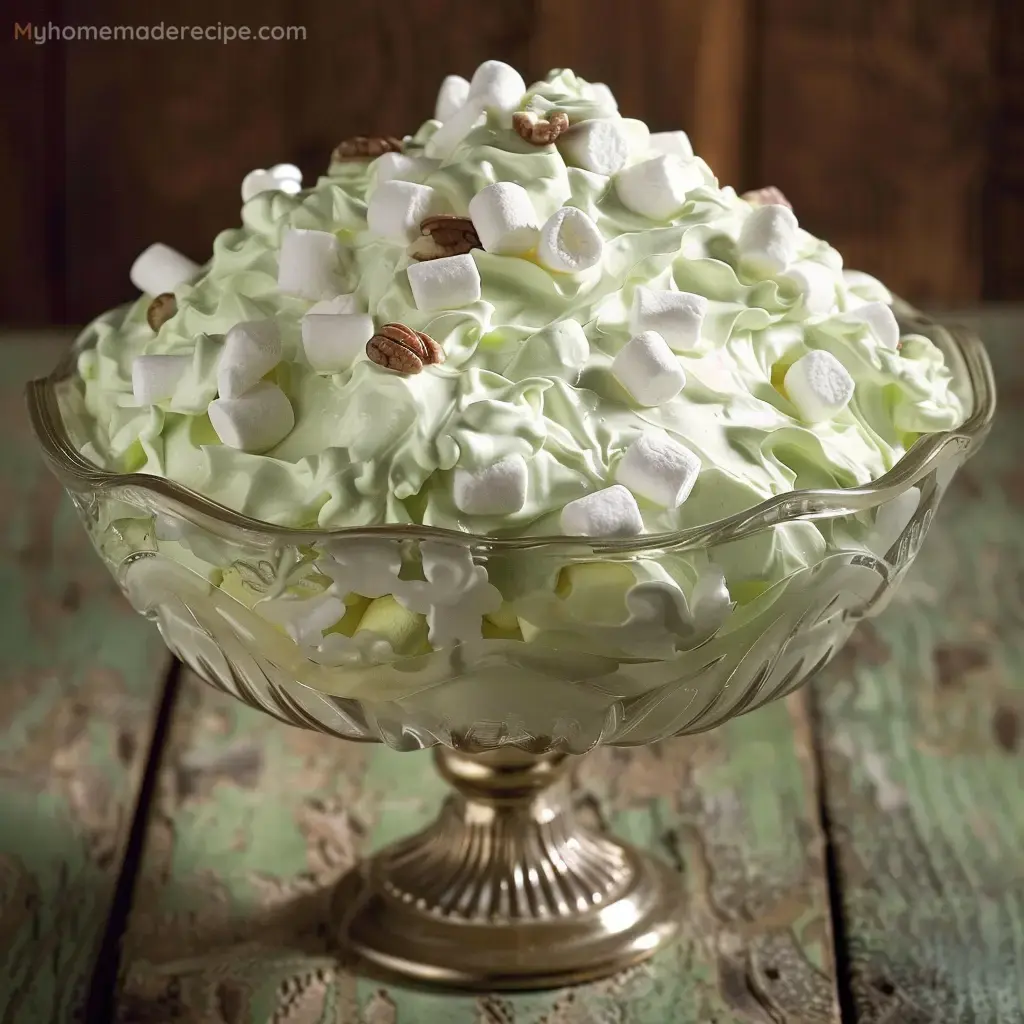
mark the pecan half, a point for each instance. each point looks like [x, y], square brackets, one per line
[400, 348]
[365, 147]
[160, 310]
[767, 196]
[538, 131]
[444, 235]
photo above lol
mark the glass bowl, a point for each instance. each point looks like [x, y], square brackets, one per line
[511, 655]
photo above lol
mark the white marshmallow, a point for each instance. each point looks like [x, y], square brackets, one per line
[569, 242]
[256, 421]
[819, 386]
[768, 240]
[397, 208]
[308, 264]
[160, 269]
[672, 143]
[154, 378]
[492, 490]
[504, 218]
[657, 468]
[453, 94]
[648, 369]
[599, 145]
[880, 319]
[638, 135]
[402, 167]
[333, 341]
[447, 283]
[497, 85]
[676, 316]
[280, 178]
[444, 141]
[612, 512]
[251, 349]
[339, 304]
[816, 285]
[657, 188]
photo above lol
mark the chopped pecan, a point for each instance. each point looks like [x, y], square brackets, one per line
[400, 348]
[161, 309]
[767, 196]
[444, 235]
[365, 147]
[538, 131]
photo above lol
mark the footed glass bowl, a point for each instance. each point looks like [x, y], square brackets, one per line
[511, 656]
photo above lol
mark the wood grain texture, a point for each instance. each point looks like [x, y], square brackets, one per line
[921, 724]
[1004, 186]
[255, 821]
[159, 135]
[874, 121]
[80, 677]
[31, 173]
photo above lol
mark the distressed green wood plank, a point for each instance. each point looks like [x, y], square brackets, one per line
[80, 679]
[924, 753]
[254, 821]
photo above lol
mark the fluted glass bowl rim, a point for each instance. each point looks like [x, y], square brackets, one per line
[77, 473]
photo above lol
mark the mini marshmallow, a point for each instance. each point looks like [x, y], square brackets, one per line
[497, 85]
[396, 209]
[251, 349]
[657, 188]
[880, 319]
[819, 386]
[816, 285]
[648, 369]
[308, 263]
[333, 341]
[599, 145]
[447, 283]
[256, 421]
[657, 468]
[154, 378]
[676, 316]
[570, 241]
[160, 269]
[444, 141]
[612, 512]
[453, 94]
[768, 240]
[672, 143]
[280, 178]
[402, 167]
[504, 218]
[493, 490]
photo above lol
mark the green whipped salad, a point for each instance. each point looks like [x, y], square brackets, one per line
[372, 446]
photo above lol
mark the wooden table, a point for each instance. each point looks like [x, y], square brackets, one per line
[855, 853]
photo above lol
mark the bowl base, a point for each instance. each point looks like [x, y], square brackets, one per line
[505, 890]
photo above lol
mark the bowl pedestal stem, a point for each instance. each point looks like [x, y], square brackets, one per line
[505, 889]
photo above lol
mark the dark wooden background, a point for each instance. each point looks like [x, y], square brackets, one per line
[895, 126]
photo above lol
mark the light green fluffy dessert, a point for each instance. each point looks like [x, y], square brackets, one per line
[372, 446]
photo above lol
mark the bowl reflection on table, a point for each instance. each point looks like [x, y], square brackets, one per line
[584, 642]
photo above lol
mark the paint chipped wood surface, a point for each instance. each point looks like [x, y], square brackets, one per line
[254, 822]
[80, 677]
[922, 727]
